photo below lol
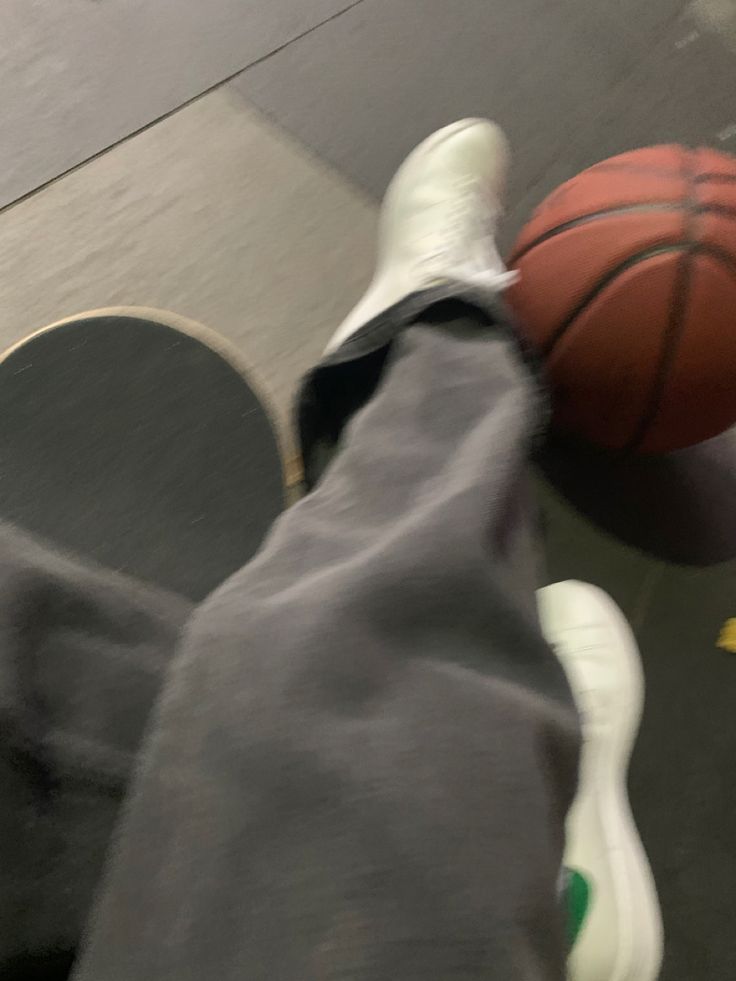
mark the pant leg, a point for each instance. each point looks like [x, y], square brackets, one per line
[362, 762]
[82, 654]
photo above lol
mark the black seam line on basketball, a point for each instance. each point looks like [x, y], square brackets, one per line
[703, 248]
[714, 209]
[605, 281]
[676, 316]
[633, 168]
[700, 209]
[719, 178]
[654, 171]
[620, 209]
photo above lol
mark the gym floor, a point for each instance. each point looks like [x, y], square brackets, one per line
[225, 160]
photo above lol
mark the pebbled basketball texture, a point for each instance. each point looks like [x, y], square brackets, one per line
[628, 289]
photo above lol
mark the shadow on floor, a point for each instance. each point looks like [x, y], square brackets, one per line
[677, 507]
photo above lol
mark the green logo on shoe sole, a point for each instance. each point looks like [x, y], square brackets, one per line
[577, 898]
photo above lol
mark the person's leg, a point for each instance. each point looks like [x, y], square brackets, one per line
[363, 758]
[82, 656]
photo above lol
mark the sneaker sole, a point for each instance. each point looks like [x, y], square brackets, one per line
[601, 824]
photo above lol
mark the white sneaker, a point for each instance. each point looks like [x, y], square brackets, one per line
[438, 220]
[620, 936]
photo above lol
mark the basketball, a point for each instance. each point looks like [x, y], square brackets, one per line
[627, 288]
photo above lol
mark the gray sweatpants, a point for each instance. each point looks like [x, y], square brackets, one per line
[363, 751]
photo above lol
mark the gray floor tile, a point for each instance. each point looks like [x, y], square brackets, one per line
[366, 87]
[571, 86]
[78, 76]
[677, 507]
[212, 213]
[679, 93]
[715, 16]
[644, 21]
[682, 784]
[575, 548]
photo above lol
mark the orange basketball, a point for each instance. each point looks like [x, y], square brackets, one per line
[628, 289]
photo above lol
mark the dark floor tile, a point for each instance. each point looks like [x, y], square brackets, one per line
[677, 507]
[570, 85]
[79, 76]
[366, 87]
[645, 21]
[715, 16]
[682, 779]
[682, 784]
[679, 91]
[574, 548]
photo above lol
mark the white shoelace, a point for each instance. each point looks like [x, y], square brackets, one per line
[463, 239]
